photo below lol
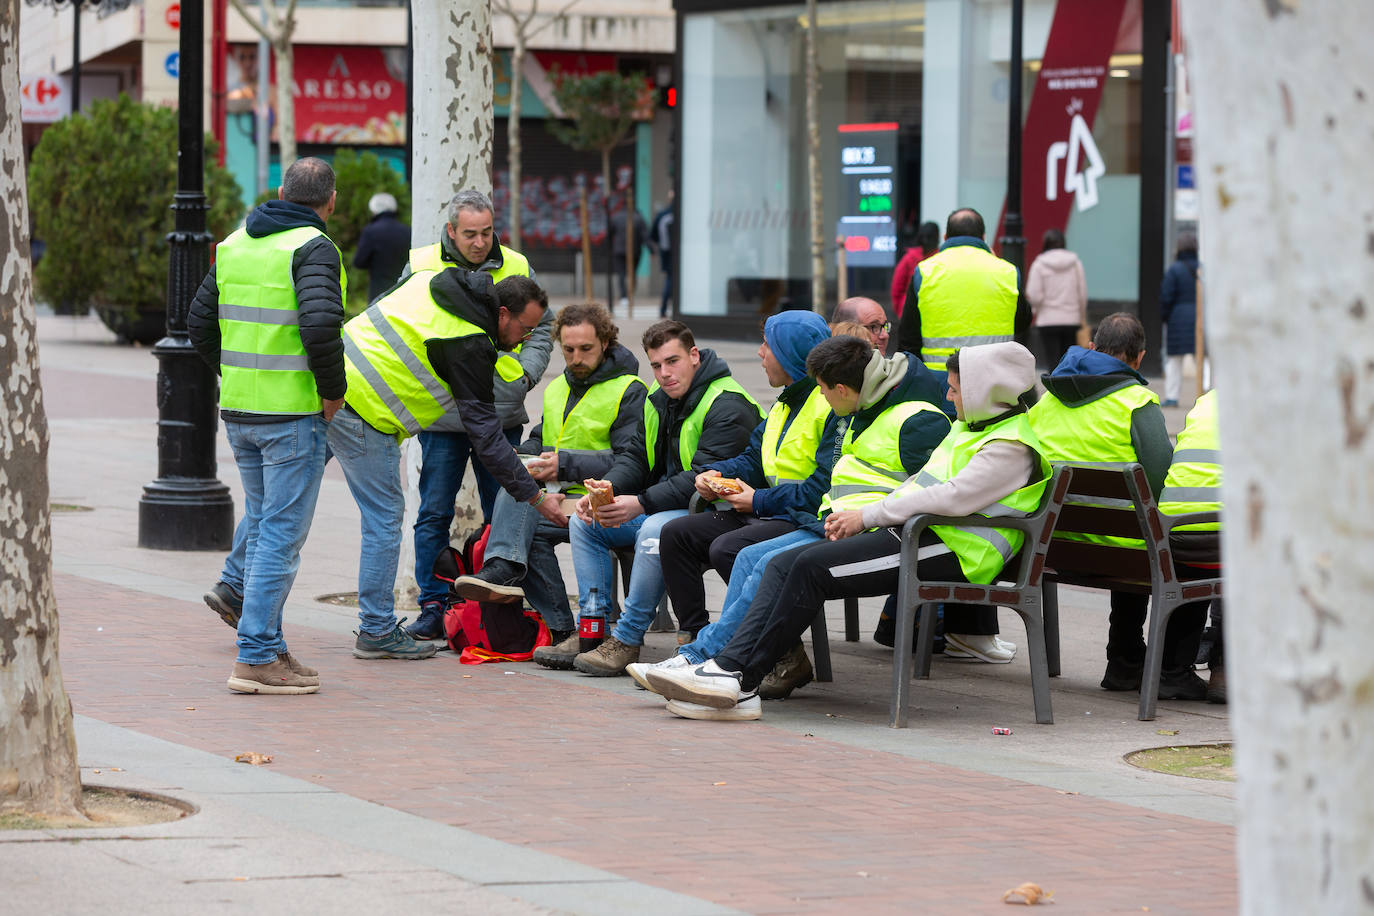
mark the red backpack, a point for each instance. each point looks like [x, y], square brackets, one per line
[483, 631]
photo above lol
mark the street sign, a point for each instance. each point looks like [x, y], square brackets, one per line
[173, 15]
[173, 64]
[868, 182]
[44, 99]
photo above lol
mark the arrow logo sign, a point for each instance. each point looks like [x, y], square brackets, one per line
[1083, 183]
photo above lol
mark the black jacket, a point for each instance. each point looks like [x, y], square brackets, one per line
[626, 429]
[724, 434]
[468, 366]
[316, 274]
[383, 251]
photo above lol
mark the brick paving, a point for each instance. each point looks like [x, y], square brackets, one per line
[741, 814]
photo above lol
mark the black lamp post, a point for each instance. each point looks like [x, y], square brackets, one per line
[1013, 241]
[186, 507]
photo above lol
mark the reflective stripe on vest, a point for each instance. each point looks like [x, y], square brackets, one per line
[263, 364]
[967, 297]
[586, 428]
[794, 458]
[870, 465]
[391, 383]
[1098, 431]
[513, 263]
[982, 552]
[1194, 480]
[690, 434]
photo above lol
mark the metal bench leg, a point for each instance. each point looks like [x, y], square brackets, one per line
[901, 665]
[663, 620]
[1039, 665]
[851, 620]
[820, 647]
[925, 639]
[1049, 592]
[1154, 655]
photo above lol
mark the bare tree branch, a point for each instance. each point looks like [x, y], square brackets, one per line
[257, 27]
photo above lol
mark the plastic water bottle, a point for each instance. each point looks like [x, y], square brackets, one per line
[591, 628]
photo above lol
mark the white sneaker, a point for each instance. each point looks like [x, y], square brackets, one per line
[636, 670]
[991, 649]
[708, 684]
[750, 707]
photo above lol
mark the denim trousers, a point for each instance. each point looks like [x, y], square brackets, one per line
[520, 535]
[280, 466]
[739, 593]
[443, 459]
[371, 463]
[591, 546]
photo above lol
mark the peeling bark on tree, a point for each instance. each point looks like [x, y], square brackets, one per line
[38, 768]
[1284, 100]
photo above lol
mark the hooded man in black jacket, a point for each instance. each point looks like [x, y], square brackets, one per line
[696, 415]
[267, 318]
[592, 415]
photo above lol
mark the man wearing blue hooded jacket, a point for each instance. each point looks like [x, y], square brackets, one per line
[786, 467]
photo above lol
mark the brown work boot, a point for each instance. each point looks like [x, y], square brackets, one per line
[274, 677]
[793, 670]
[608, 659]
[559, 657]
[294, 664]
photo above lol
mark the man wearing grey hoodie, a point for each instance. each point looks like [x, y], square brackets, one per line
[989, 464]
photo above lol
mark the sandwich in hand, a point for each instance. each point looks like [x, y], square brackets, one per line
[724, 486]
[601, 494]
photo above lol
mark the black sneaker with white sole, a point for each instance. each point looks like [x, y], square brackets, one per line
[498, 580]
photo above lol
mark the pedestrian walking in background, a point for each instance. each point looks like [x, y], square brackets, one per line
[661, 240]
[927, 243]
[620, 247]
[1058, 296]
[1178, 311]
[267, 317]
[383, 245]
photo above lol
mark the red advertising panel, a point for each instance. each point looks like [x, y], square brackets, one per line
[1060, 162]
[350, 94]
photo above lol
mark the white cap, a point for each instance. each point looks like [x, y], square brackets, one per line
[382, 202]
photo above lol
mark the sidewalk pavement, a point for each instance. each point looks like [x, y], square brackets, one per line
[509, 788]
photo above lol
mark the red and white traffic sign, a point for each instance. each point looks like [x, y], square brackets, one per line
[173, 15]
[44, 99]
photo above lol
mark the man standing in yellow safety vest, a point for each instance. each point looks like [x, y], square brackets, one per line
[267, 318]
[961, 296]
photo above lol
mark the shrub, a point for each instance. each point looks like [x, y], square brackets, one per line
[101, 186]
[358, 176]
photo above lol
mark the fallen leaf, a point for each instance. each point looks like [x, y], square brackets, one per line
[714, 783]
[862, 874]
[1166, 731]
[191, 708]
[1065, 792]
[95, 771]
[467, 675]
[1029, 894]
[116, 770]
[254, 758]
[240, 878]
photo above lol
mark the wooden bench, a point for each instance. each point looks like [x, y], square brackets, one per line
[1022, 594]
[1115, 500]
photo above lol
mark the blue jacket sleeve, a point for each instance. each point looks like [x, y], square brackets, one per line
[748, 464]
[921, 433]
[806, 496]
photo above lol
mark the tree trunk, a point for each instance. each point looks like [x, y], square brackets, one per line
[517, 82]
[813, 162]
[286, 102]
[610, 243]
[1282, 149]
[38, 768]
[453, 107]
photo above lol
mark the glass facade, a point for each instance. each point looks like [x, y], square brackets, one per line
[935, 70]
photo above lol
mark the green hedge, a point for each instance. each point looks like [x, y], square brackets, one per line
[101, 186]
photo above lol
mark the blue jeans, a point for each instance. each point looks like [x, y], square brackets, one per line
[280, 465]
[591, 546]
[522, 536]
[371, 463]
[744, 583]
[443, 459]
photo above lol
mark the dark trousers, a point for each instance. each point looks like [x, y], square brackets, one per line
[1126, 639]
[797, 584]
[666, 264]
[1056, 339]
[714, 539]
[1202, 547]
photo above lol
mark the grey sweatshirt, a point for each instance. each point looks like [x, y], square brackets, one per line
[992, 379]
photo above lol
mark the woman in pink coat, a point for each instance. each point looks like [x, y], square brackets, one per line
[1058, 295]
